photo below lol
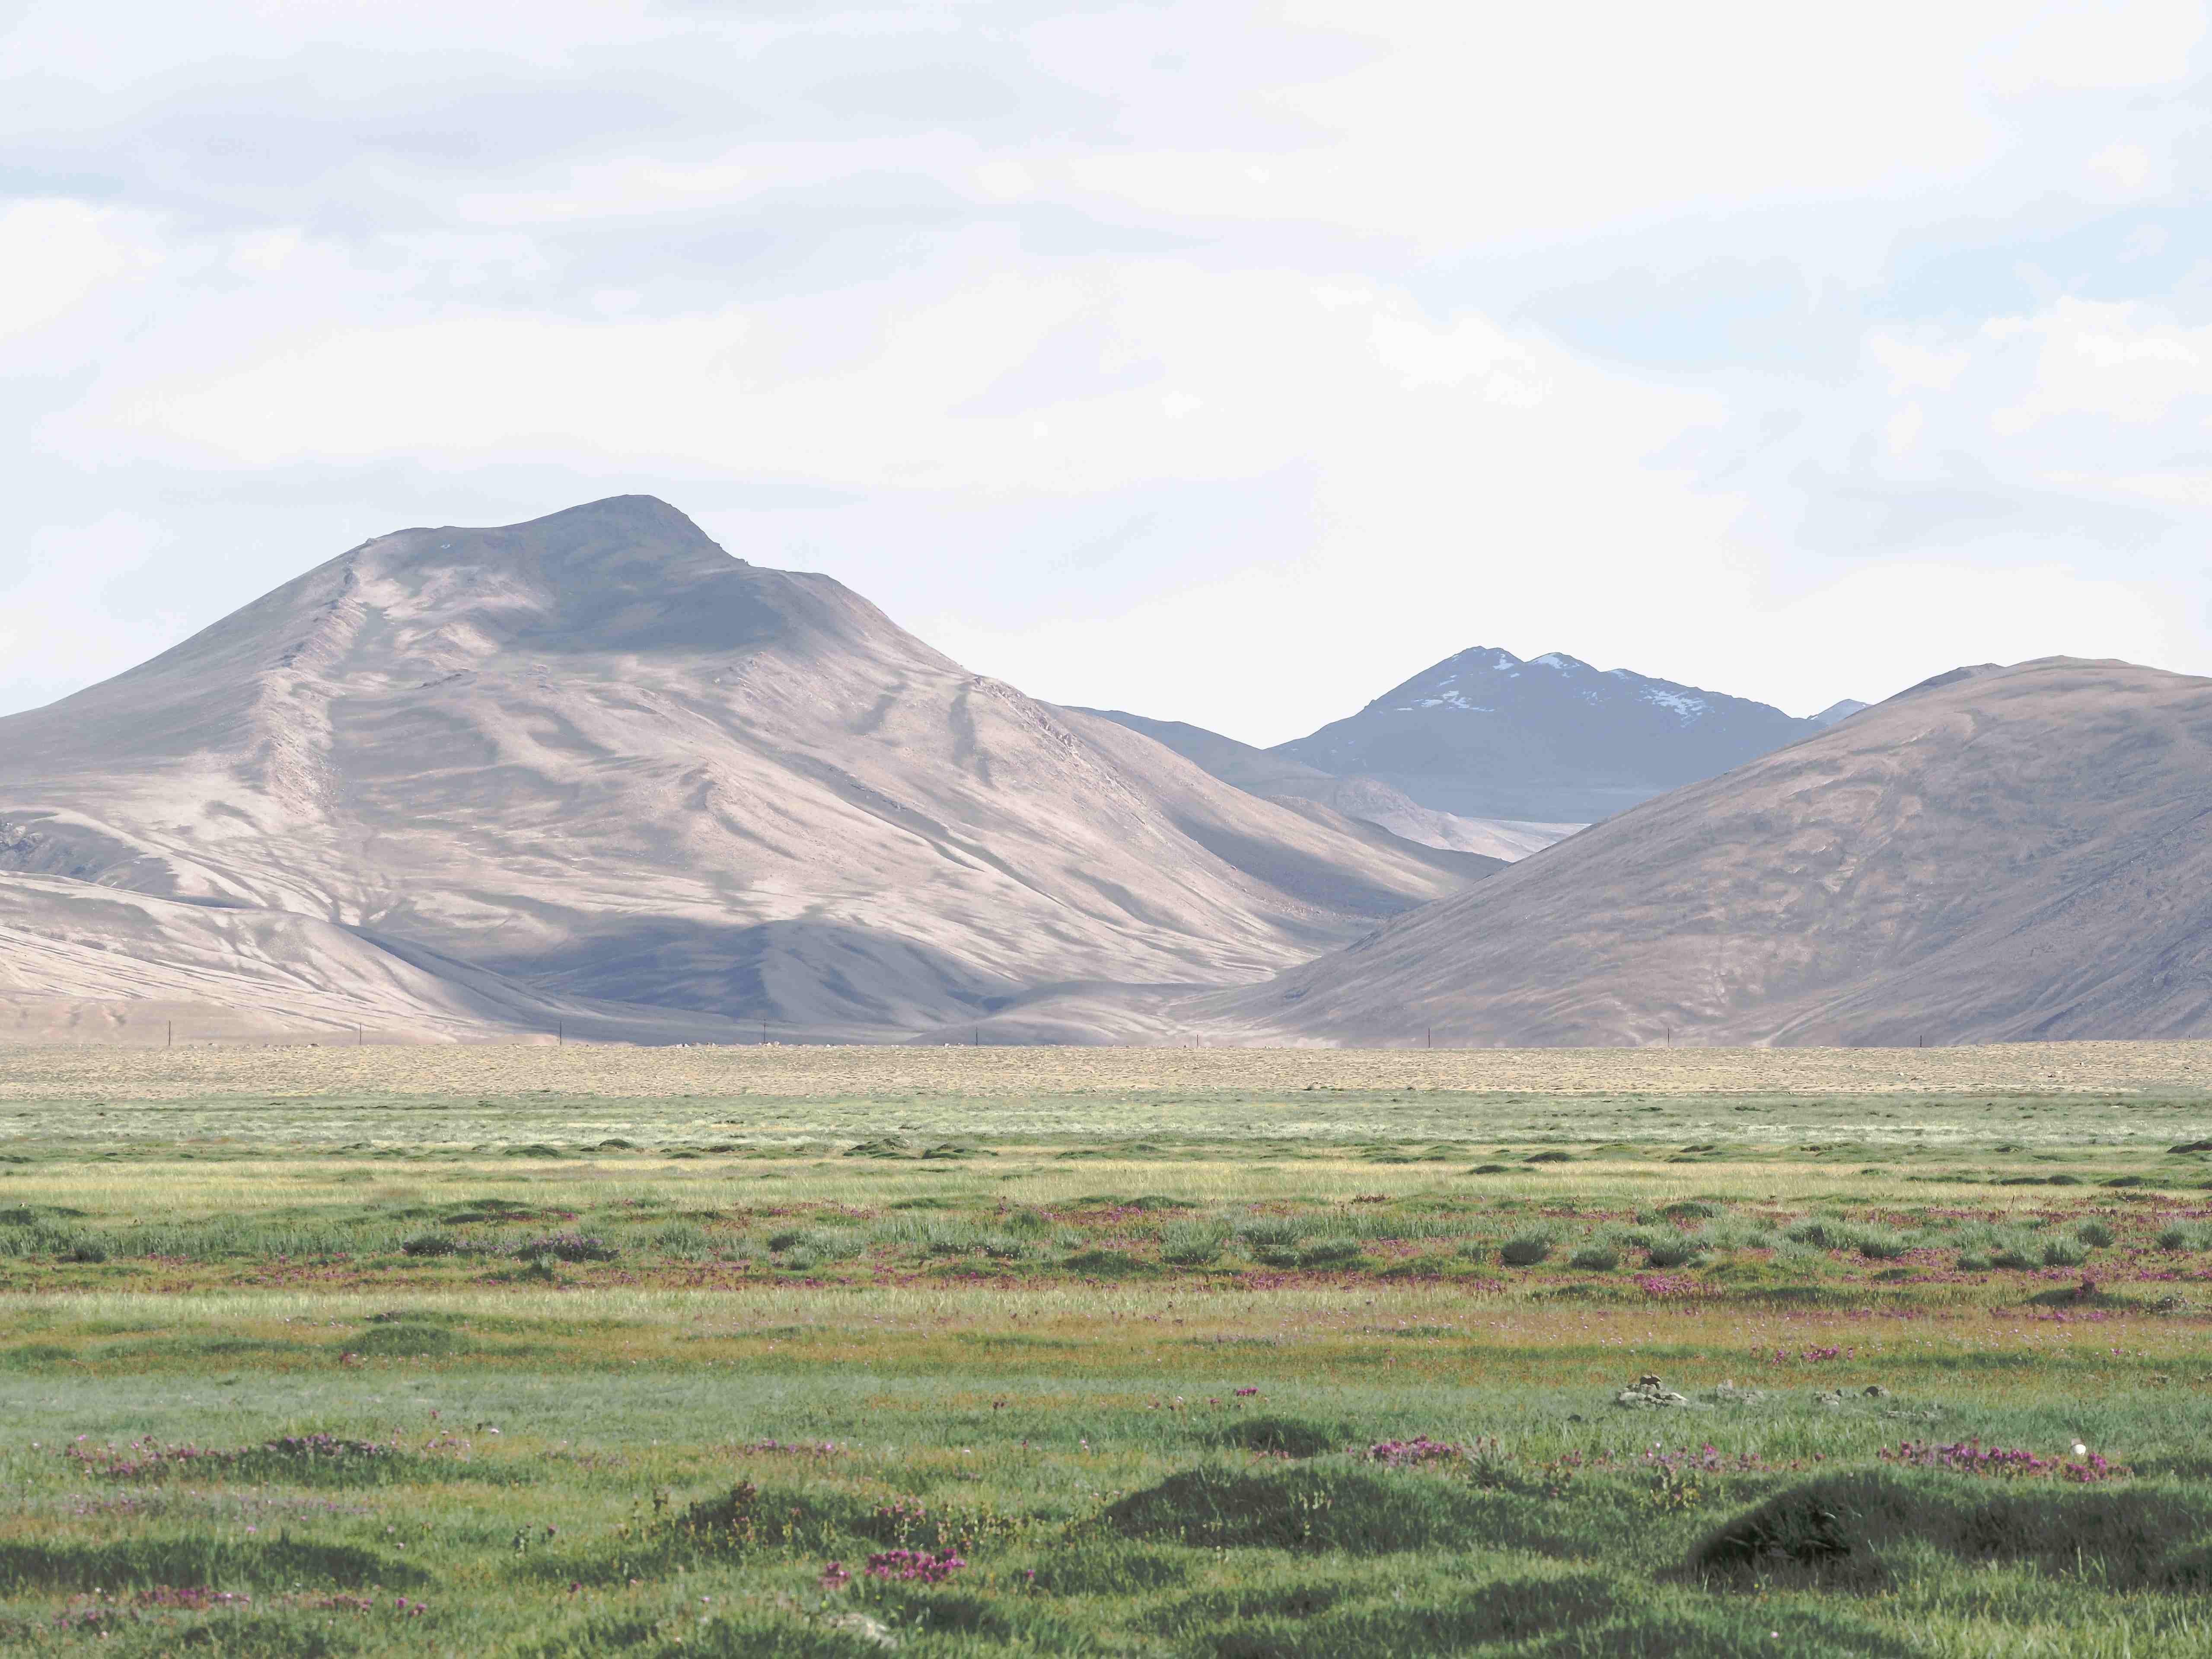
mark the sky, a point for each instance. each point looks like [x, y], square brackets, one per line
[1224, 362]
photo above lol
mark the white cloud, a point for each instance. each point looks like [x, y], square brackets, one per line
[1259, 283]
[2115, 362]
[1440, 123]
[2183, 486]
[2126, 167]
[1469, 350]
[1915, 364]
[57, 255]
[1908, 619]
[2096, 44]
[1904, 428]
[68, 613]
[1005, 179]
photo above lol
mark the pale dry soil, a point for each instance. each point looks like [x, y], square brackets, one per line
[797, 1072]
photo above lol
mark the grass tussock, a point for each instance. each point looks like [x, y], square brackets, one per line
[222, 1563]
[1283, 1437]
[1327, 1508]
[1853, 1530]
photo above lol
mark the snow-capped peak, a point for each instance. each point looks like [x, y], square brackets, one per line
[1481, 656]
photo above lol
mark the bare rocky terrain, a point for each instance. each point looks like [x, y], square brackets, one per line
[1997, 855]
[591, 770]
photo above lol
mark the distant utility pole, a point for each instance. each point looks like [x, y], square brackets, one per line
[979, 1037]
[763, 1033]
[1432, 1036]
[173, 1034]
[559, 1033]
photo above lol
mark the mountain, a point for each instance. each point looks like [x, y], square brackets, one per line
[1274, 777]
[591, 768]
[1842, 710]
[1240, 763]
[1485, 735]
[2002, 854]
[81, 962]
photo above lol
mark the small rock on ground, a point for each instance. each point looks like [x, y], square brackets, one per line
[1648, 1390]
[859, 1625]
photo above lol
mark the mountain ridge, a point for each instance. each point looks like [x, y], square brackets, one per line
[598, 759]
[2006, 854]
[1485, 734]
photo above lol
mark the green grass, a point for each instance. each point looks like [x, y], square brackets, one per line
[626, 1402]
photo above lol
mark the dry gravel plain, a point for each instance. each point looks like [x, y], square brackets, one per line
[796, 1072]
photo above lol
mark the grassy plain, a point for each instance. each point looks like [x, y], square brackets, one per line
[548, 1351]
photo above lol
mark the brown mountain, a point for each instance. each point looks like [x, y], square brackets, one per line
[2009, 854]
[592, 768]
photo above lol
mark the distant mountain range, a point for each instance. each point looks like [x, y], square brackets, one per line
[1486, 753]
[592, 772]
[1485, 734]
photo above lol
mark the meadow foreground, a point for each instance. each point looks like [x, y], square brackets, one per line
[1303, 1354]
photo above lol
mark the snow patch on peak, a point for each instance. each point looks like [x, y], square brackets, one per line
[1481, 656]
[1448, 700]
[1441, 685]
[1688, 707]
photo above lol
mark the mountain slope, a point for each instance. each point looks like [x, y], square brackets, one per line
[598, 760]
[1258, 770]
[1274, 777]
[84, 962]
[2018, 853]
[1484, 734]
